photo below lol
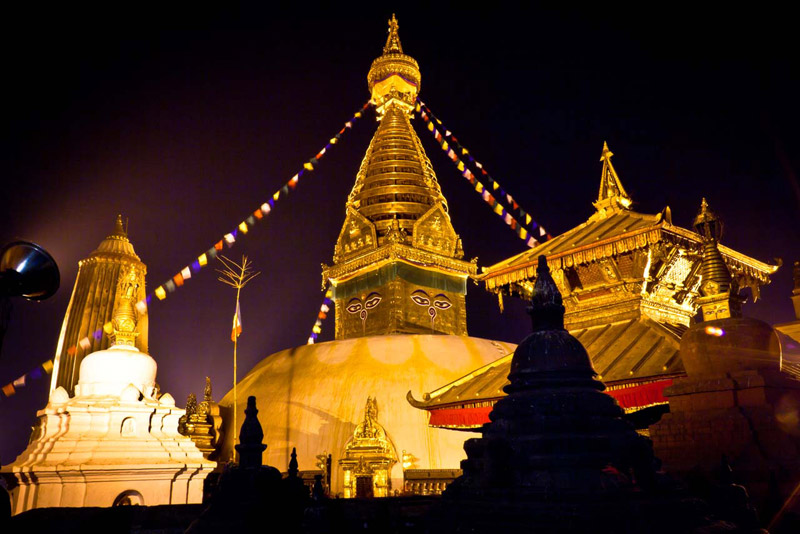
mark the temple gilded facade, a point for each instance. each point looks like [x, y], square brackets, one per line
[92, 304]
[397, 264]
[632, 283]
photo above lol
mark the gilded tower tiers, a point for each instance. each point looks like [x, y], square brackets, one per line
[92, 304]
[397, 262]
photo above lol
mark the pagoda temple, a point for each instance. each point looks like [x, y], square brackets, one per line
[398, 282]
[631, 287]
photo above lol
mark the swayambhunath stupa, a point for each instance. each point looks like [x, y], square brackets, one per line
[264, 358]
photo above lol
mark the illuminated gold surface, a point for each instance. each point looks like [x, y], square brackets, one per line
[93, 300]
[125, 317]
[621, 264]
[312, 397]
[397, 238]
[368, 455]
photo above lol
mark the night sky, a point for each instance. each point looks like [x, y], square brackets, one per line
[186, 121]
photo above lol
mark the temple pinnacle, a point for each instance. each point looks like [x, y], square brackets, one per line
[119, 228]
[393, 45]
[612, 196]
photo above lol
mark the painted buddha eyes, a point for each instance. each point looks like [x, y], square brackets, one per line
[354, 306]
[373, 299]
[440, 301]
[420, 297]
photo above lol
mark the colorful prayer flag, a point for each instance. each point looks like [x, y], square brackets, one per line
[265, 208]
[229, 239]
[20, 382]
[178, 279]
[186, 273]
[8, 390]
[36, 374]
[251, 221]
[243, 227]
[542, 231]
[237, 323]
[108, 328]
[85, 344]
[258, 214]
[160, 293]
[527, 218]
[170, 285]
[218, 245]
[306, 166]
[48, 366]
[141, 307]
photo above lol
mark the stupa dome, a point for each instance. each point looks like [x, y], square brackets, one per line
[109, 372]
[312, 397]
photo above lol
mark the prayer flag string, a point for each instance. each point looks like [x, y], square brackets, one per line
[227, 240]
[531, 232]
[35, 374]
[324, 310]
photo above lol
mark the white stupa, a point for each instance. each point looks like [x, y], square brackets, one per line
[116, 441]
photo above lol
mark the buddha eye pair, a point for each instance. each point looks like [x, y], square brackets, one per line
[371, 301]
[440, 301]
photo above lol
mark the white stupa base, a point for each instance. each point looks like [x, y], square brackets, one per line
[105, 451]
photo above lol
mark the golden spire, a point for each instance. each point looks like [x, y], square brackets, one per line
[394, 78]
[393, 45]
[124, 318]
[119, 229]
[612, 196]
[397, 237]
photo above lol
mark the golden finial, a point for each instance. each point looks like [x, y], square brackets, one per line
[393, 45]
[612, 196]
[119, 228]
[394, 77]
[124, 316]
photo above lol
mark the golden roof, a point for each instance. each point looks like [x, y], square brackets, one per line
[632, 351]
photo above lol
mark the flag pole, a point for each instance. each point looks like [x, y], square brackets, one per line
[236, 276]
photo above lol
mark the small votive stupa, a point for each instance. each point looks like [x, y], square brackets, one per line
[116, 441]
[557, 455]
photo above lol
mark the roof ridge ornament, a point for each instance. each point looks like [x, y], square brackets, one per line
[612, 196]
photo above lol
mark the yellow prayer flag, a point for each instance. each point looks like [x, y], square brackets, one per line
[528, 219]
[243, 227]
[358, 114]
[495, 185]
[307, 166]
[276, 195]
[202, 259]
[479, 187]
[464, 151]
[47, 366]
[445, 146]
[430, 126]
[333, 141]
[108, 327]
[316, 329]
[498, 209]
[523, 233]
[161, 293]
[460, 165]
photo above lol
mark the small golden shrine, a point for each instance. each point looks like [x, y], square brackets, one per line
[631, 283]
[397, 264]
[368, 458]
[202, 421]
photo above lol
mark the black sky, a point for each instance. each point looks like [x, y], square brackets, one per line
[185, 121]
